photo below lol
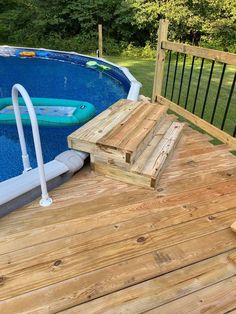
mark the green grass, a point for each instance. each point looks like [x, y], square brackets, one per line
[143, 70]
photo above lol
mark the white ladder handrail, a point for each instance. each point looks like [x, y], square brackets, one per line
[16, 89]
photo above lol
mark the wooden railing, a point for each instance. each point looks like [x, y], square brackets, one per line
[191, 82]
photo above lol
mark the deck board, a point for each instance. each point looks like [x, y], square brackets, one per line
[104, 242]
[219, 298]
[150, 294]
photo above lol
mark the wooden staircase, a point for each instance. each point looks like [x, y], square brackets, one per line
[130, 141]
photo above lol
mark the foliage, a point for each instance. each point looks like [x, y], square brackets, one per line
[72, 24]
[146, 52]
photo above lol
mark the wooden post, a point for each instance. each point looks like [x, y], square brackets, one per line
[160, 59]
[100, 48]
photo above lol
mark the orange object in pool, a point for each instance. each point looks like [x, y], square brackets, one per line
[28, 54]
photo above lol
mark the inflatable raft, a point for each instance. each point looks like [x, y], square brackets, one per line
[49, 111]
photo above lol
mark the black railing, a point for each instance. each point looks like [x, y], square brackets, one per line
[205, 88]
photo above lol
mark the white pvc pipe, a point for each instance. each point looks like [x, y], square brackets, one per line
[16, 89]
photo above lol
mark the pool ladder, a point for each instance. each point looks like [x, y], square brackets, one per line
[16, 89]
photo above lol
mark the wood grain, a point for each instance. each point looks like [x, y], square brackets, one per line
[150, 294]
[217, 299]
[210, 54]
[160, 58]
[135, 240]
[233, 226]
[96, 128]
[84, 288]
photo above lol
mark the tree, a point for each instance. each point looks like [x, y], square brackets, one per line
[72, 24]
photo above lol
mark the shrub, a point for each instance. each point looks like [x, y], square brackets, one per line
[147, 51]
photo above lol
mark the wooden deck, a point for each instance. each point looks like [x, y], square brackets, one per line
[109, 247]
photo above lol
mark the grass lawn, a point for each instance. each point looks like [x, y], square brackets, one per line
[143, 70]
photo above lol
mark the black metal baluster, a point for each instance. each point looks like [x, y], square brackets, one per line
[174, 79]
[228, 102]
[182, 77]
[189, 83]
[207, 90]
[218, 93]
[168, 72]
[198, 84]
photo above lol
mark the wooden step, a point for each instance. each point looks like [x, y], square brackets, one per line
[122, 131]
[147, 169]
[130, 141]
[151, 163]
[115, 159]
[142, 161]
[133, 135]
[86, 137]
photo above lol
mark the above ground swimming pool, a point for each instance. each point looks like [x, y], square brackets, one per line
[48, 74]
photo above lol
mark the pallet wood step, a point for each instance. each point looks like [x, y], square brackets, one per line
[113, 158]
[141, 162]
[133, 135]
[87, 136]
[123, 130]
[158, 151]
[147, 169]
[130, 141]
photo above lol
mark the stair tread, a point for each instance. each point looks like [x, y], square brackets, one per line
[122, 130]
[151, 162]
[124, 135]
[98, 127]
[129, 134]
[140, 163]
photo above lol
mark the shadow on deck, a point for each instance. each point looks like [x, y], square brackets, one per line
[109, 247]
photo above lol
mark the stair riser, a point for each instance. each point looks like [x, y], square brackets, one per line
[110, 160]
[121, 175]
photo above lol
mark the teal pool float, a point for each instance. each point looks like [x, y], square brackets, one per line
[49, 111]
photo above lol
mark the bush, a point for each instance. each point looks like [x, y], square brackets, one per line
[147, 51]
[112, 47]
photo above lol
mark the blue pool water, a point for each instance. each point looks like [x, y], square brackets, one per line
[50, 79]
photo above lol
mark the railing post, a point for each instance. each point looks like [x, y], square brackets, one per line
[160, 59]
[100, 41]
